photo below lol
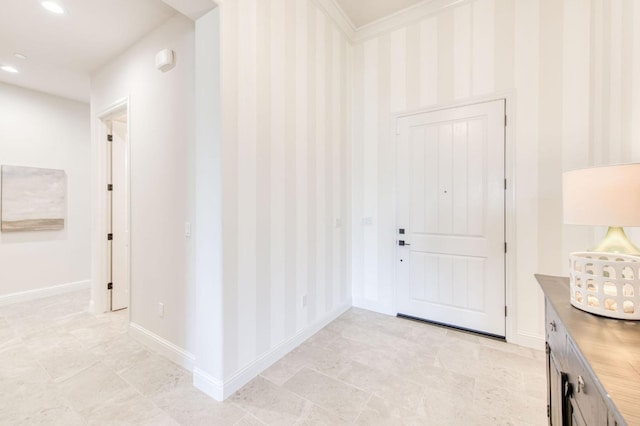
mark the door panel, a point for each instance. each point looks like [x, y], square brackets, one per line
[451, 204]
[119, 218]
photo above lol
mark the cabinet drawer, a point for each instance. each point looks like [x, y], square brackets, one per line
[556, 334]
[576, 415]
[584, 391]
[614, 420]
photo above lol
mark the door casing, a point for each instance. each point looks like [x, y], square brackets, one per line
[471, 232]
[510, 205]
[120, 226]
[100, 264]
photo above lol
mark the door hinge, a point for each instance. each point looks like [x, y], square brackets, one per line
[109, 138]
[548, 410]
[109, 286]
[109, 237]
[505, 311]
[505, 184]
[505, 246]
[505, 120]
[109, 187]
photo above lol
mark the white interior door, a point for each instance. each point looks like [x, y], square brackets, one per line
[119, 218]
[450, 168]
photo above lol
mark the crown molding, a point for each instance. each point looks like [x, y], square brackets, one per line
[192, 9]
[338, 16]
[388, 23]
[404, 17]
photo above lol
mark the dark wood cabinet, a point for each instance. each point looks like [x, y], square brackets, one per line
[556, 380]
[593, 363]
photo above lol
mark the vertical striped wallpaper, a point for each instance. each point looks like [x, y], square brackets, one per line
[308, 154]
[438, 60]
[572, 67]
[285, 130]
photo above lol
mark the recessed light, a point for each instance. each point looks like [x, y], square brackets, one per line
[9, 68]
[19, 56]
[53, 7]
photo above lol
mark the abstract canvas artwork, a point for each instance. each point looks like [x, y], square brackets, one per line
[33, 199]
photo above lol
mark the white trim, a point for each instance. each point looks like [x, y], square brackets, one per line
[99, 294]
[208, 384]
[192, 9]
[510, 229]
[161, 346]
[114, 108]
[508, 95]
[528, 340]
[221, 390]
[337, 15]
[512, 335]
[39, 293]
[390, 22]
[381, 308]
[245, 375]
[404, 17]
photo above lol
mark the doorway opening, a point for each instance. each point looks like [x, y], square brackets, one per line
[115, 137]
[451, 203]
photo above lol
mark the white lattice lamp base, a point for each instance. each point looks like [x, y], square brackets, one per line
[606, 284]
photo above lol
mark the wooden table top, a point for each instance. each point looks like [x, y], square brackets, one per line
[610, 347]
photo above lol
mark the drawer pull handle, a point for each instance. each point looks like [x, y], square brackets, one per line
[580, 384]
[552, 325]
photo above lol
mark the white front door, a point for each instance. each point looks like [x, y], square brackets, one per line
[451, 219]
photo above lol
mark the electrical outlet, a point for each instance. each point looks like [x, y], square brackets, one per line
[367, 221]
[187, 229]
[161, 310]
[304, 301]
[338, 223]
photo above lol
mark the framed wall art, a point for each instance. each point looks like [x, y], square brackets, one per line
[33, 199]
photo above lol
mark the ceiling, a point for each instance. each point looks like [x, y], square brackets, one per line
[62, 50]
[363, 12]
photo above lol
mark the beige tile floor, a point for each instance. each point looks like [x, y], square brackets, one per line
[60, 365]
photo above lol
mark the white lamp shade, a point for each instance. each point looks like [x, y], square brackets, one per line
[606, 196]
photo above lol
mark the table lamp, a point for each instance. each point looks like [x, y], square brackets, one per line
[604, 280]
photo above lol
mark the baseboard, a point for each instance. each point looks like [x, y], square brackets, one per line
[92, 307]
[381, 308]
[222, 390]
[529, 340]
[162, 346]
[247, 374]
[208, 384]
[40, 293]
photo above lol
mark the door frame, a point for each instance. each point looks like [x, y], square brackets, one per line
[510, 260]
[99, 292]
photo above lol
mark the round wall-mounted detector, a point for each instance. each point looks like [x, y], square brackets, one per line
[53, 7]
[9, 68]
[19, 56]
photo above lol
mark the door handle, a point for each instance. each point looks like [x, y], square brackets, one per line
[402, 243]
